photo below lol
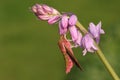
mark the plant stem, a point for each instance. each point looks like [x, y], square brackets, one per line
[100, 55]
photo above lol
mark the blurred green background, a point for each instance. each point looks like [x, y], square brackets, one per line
[28, 46]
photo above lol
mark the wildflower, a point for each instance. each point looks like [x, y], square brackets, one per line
[65, 47]
[63, 25]
[96, 30]
[67, 23]
[75, 34]
[88, 44]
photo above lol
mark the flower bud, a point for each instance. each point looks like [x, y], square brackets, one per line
[64, 21]
[47, 9]
[53, 19]
[44, 17]
[73, 33]
[72, 20]
[45, 12]
[61, 29]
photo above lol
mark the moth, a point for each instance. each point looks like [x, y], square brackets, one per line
[70, 60]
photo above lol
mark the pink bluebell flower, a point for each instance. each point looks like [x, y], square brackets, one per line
[96, 30]
[88, 44]
[63, 25]
[75, 34]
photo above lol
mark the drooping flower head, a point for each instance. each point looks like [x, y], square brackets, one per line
[68, 23]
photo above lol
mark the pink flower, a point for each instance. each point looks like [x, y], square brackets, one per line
[75, 34]
[88, 44]
[96, 30]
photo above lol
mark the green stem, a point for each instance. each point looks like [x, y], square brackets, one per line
[101, 55]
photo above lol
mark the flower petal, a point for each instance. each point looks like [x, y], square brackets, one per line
[93, 30]
[44, 17]
[78, 41]
[47, 9]
[41, 12]
[99, 28]
[64, 21]
[53, 19]
[88, 44]
[84, 52]
[72, 20]
[102, 31]
[61, 29]
[73, 33]
[34, 9]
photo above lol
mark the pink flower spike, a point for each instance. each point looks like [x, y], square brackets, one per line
[53, 19]
[72, 20]
[64, 21]
[45, 12]
[73, 33]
